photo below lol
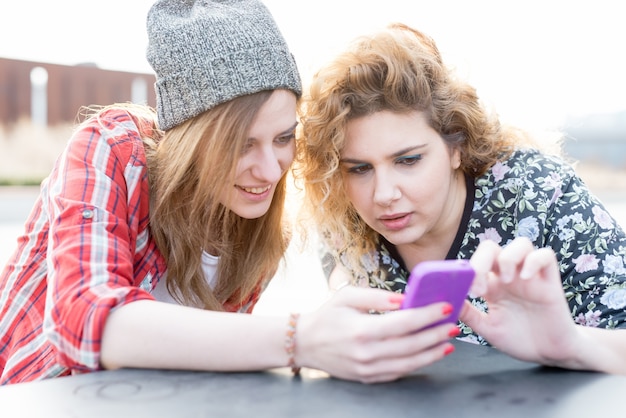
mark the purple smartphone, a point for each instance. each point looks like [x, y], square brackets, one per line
[439, 281]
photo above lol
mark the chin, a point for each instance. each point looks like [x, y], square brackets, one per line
[400, 238]
[250, 214]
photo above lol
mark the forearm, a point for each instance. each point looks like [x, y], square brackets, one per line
[149, 334]
[340, 338]
[599, 350]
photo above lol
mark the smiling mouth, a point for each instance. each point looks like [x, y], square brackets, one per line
[255, 190]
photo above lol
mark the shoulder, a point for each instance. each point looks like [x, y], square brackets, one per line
[533, 159]
[528, 165]
[121, 122]
[117, 130]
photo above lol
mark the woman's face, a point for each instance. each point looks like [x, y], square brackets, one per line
[265, 158]
[402, 178]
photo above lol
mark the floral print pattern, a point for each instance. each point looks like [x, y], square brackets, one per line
[540, 197]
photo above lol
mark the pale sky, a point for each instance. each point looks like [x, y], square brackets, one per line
[536, 61]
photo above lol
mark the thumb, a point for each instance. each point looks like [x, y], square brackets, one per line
[472, 317]
[366, 299]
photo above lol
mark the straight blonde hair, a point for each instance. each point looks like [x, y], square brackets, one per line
[193, 164]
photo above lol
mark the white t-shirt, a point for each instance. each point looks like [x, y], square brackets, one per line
[209, 267]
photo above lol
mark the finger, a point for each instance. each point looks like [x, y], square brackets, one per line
[394, 368]
[398, 324]
[405, 344]
[483, 261]
[472, 316]
[541, 263]
[511, 258]
[366, 299]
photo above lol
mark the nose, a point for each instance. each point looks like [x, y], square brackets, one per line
[386, 191]
[269, 166]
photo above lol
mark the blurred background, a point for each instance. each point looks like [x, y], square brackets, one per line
[552, 65]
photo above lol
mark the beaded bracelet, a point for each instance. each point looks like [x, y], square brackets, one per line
[290, 342]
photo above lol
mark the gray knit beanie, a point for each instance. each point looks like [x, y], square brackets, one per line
[208, 52]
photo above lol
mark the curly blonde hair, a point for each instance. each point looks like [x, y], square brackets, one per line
[397, 69]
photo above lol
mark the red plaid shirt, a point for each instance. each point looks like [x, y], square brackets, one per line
[86, 250]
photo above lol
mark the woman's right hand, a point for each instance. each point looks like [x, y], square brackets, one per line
[345, 340]
[528, 316]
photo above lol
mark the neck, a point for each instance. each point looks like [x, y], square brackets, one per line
[435, 243]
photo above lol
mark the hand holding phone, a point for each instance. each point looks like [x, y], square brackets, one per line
[439, 281]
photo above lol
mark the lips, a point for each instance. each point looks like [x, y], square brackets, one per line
[392, 217]
[395, 221]
[255, 190]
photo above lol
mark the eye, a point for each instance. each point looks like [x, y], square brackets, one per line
[247, 147]
[359, 169]
[409, 159]
[286, 139]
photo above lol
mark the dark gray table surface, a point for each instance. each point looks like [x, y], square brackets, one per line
[474, 381]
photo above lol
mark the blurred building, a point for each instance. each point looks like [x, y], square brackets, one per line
[51, 94]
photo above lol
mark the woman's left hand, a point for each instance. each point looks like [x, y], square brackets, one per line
[528, 316]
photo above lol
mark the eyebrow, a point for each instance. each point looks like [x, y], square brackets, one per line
[286, 131]
[291, 129]
[395, 154]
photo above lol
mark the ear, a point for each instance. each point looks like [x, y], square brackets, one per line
[455, 158]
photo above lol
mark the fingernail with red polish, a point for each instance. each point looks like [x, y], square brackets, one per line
[454, 332]
[447, 309]
[396, 298]
[448, 350]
